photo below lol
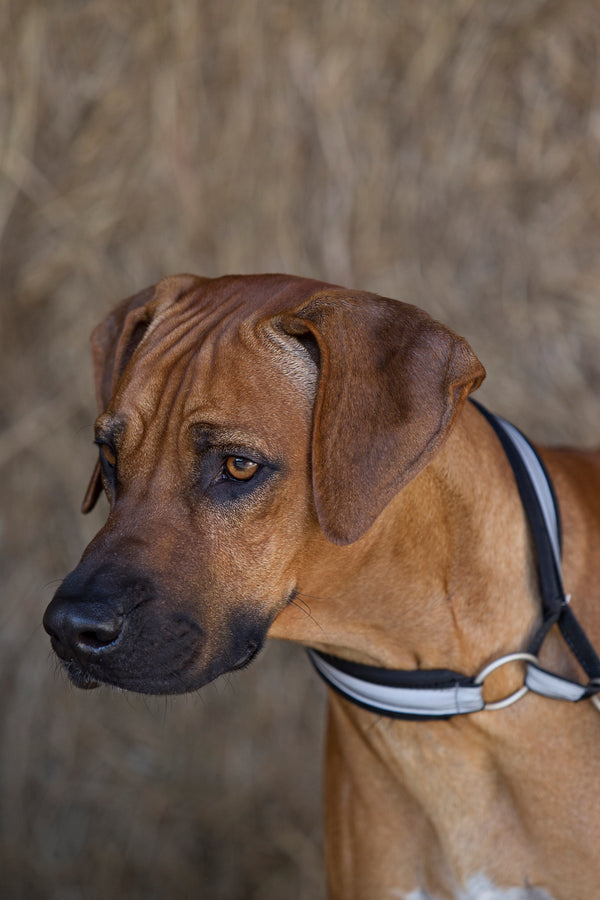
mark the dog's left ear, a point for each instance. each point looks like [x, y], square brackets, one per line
[391, 382]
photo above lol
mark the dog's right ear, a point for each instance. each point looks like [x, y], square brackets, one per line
[113, 342]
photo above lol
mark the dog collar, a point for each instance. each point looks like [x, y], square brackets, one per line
[442, 693]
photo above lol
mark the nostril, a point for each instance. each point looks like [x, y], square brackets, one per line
[100, 636]
[91, 639]
[83, 628]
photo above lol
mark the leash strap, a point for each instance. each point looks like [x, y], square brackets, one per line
[441, 693]
[539, 500]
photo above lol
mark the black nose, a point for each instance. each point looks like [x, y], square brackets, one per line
[83, 628]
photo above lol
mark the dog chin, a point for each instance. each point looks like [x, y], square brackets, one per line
[173, 683]
[79, 677]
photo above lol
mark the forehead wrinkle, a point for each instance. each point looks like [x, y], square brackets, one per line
[231, 304]
[169, 343]
[197, 347]
[172, 398]
[238, 367]
[140, 403]
[209, 309]
[174, 335]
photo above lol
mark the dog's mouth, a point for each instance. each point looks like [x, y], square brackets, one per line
[84, 679]
[253, 649]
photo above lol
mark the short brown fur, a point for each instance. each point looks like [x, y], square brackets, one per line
[385, 499]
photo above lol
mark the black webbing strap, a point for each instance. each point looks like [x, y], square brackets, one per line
[555, 604]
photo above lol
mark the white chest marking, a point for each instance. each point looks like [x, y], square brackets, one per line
[481, 888]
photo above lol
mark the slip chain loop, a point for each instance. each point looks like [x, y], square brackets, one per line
[496, 664]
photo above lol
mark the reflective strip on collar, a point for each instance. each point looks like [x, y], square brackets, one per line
[539, 482]
[553, 686]
[437, 702]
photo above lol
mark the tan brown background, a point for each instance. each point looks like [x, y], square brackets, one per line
[442, 152]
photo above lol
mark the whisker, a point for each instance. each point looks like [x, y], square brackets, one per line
[300, 600]
[309, 596]
[306, 612]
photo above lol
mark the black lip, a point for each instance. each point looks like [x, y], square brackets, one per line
[78, 676]
[91, 673]
[250, 654]
[82, 679]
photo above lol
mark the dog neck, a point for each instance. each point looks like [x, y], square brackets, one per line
[444, 579]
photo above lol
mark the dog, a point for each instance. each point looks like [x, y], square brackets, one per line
[264, 438]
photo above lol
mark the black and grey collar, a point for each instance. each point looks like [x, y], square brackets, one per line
[441, 693]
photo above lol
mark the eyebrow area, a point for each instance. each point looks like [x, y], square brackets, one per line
[210, 436]
[108, 430]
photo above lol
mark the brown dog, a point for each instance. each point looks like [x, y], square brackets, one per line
[263, 437]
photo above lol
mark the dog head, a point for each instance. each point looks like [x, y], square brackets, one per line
[241, 420]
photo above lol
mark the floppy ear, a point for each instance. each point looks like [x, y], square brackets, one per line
[113, 342]
[115, 339]
[391, 382]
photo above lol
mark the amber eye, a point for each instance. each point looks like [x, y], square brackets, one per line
[239, 468]
[108, 454]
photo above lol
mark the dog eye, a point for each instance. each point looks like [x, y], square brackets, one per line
[239, 468]
[108, 454]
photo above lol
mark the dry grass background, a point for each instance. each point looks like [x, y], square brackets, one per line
[444, 152]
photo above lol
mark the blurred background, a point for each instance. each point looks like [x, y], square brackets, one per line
[442, 153]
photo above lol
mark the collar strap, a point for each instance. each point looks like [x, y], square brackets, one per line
[441, 693]
[398, 693]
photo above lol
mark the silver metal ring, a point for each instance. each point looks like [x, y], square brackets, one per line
[496, 664]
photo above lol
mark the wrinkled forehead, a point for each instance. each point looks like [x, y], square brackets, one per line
[200, 306]
[214, 355]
